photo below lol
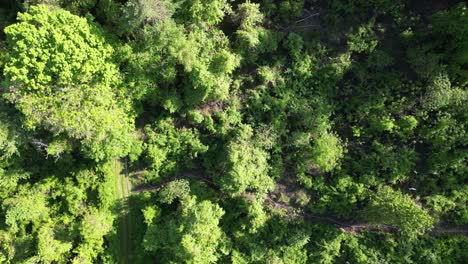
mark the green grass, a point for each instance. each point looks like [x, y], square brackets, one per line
[122, 189]
[129, 224]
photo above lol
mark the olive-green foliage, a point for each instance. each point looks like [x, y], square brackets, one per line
[59, 74]
[388, 206]
[169, 149]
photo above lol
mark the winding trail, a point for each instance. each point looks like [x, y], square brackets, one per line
[347, 226]
[357, 227]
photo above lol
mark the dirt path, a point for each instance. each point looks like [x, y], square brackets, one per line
[293, 211]
[355, 228]
[192, 175]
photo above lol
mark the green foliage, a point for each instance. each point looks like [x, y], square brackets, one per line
[59, 74]
[242, 166]
[213, 131]
[9, 180]
[170, 150]
[93, 227]
[340, 197]
[135, 13]
[201, 12]
[150, 213]
[50, 249]
[178, 189]
[192, 236]
[450, 25]
[440, 94]
[25, 207]
[407, 125]
[206, 60]
[394, 208]
[363, 40]
[451, 206]
[251, 35]
[382, 163]
[284, 10]
[10, 139]
[326, 152]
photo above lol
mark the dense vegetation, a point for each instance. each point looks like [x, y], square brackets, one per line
[214, 131]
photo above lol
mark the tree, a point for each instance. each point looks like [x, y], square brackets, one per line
[28, 206]
[326, 152]
[251, 36]
[200, 12]
[175, 66]
[50, 249]
[193, 235]
[10, 139]
[178, 189]
[170, 149]
[9, 180]
[59, 74]
[242, 165]
[391, 207]
[450, 34]
[93, 227]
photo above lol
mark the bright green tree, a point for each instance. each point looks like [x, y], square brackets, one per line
[326, 152]
[60, 76]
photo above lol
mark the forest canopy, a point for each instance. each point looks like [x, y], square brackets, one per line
[215, 131]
